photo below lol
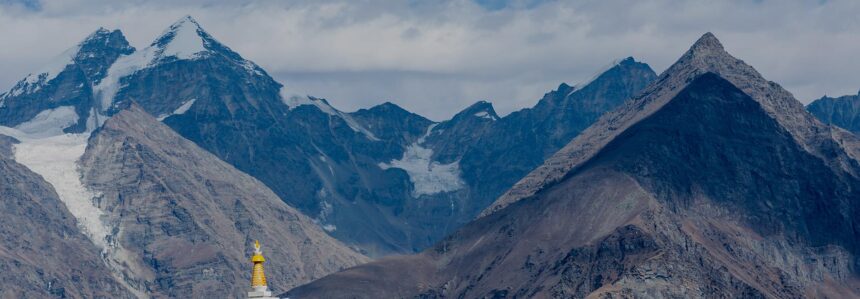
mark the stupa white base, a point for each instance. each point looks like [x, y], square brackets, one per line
[261, 293]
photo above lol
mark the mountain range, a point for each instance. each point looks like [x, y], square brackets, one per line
[712, 182]
[149, 172]
[383, 179]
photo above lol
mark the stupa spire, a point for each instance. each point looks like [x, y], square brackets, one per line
[259, 289]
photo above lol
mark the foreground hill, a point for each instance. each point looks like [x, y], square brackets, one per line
[43, 253]
[713, 182]
[183, 220]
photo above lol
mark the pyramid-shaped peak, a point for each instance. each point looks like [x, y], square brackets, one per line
[708, 55]
[707, 45]
[708, 40]
[185, 24]
[183, 39]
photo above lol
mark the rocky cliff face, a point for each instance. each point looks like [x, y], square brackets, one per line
[843, 112]
[43, 253]
[182, 220]
[711, 183]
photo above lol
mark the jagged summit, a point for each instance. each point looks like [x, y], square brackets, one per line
[61, 89]
[384, 109]
[88, 48]
[100, 32]
[99, 50]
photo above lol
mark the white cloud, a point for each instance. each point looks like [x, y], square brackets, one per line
[435, 58]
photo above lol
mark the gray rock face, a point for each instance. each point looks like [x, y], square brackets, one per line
[187, 219]
[705, 186]
[843, 112]
[43, 254]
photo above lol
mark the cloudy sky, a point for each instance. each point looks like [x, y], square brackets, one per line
[436, 57]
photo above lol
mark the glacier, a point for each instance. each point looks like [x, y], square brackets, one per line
[428, 177]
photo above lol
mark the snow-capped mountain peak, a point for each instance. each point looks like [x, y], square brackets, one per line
[184, 39]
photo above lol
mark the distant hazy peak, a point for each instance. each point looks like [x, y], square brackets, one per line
[387, 107]
[617, 63]
[843, 112]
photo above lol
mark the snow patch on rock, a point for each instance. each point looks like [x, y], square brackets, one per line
[485, 114]
[427, 176]
[186, 42]
[49, 122]
[124, 66]
[179, 110]
[55, 159]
